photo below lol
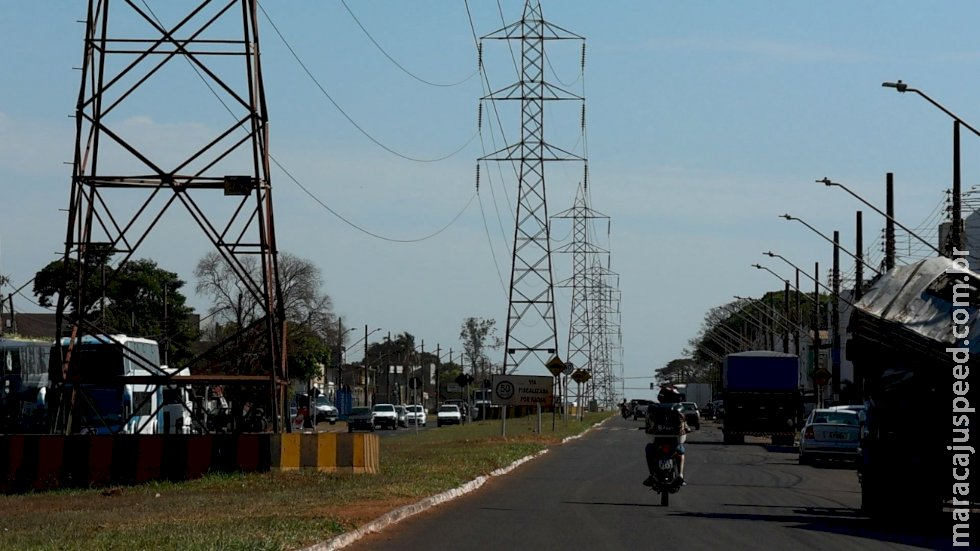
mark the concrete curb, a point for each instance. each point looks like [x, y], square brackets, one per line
[411, 509]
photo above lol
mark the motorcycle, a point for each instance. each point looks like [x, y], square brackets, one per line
[666, 479]
[624, 411]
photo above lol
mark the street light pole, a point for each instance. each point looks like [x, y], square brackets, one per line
[829, 183]
[857, 257]
[956, 229]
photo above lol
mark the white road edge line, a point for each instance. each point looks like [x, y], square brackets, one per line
[401, 513]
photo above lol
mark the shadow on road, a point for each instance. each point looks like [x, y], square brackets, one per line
[613, 504]
[838, 520]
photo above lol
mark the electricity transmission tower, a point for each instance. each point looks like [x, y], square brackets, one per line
[607, 333]
[531, 336]
[217, 176]
[580, 336]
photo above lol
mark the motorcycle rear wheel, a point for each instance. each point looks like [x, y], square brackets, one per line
[664, 498]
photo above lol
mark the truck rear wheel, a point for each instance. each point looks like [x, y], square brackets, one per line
[737, 439]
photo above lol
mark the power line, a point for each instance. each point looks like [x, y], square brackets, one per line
[348, 117]
[399, 65]
[361, 229]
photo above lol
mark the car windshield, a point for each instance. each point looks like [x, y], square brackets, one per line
[384, 407]
[452, 409]
[835, 417]
[322, 400]
[415, 409]
[360, 411]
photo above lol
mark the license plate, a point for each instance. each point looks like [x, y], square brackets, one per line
[837, 435]
[666, 464]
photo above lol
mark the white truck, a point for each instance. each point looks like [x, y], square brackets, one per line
[699, 393]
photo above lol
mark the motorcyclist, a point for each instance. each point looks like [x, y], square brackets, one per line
[665, 420]
[624, 409]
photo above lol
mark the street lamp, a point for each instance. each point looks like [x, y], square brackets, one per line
[816, 231]
[817, 281]
[904, 87]
[956, 229]
[827, 182]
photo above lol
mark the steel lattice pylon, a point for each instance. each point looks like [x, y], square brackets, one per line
[580, 335]
[604, 301]
[531, 336]
[121, 190]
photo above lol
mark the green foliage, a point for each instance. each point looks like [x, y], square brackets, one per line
[137, 298]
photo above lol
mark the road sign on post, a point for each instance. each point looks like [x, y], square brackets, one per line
[821, 376]
[521, 390]
[555, 366]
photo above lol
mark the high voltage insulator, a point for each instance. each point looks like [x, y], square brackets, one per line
[479, 116]
[478, 176]
[479, 55]
[583, 116]
[583, 56]
[585, 175]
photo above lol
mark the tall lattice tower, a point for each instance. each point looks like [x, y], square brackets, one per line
[604, 300]
[580, 336]
[124, 182]
[531, 337]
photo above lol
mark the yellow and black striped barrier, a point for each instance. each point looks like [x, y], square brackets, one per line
[44, 462]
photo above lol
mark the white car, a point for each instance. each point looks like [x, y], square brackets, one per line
[416, 415]
[448, 414]
[385, 415]
[831, 434]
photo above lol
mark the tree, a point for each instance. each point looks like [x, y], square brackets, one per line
[137, 298]
[310, 323]
[477, 335]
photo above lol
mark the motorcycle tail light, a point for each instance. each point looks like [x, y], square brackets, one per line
[808, 433]
[665, 449]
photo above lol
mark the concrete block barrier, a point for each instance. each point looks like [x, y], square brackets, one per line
[44, 462]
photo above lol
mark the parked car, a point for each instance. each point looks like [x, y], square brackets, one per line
[325, 411]
[831, 434]
[692, 414]
[402, 415]
[639, 408]
[416, 415]
[448, 414]
[385, 415]
[360, 418]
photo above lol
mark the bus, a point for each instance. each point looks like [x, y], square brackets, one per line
[23, 384]
[110, 408]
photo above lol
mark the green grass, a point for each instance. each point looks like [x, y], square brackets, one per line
[271, 511]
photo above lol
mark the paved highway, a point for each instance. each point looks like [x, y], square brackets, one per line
[587, 494]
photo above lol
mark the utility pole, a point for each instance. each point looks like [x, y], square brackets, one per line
[815, 343]
[859, 266]
[889, 221]
[438, 366]
[799, 313]
[786, 315]
[956, 229]
[835, 317]
[366, 402]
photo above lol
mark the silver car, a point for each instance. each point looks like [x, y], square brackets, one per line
[831, 434]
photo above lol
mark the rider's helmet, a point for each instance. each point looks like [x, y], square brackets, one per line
[669, 395]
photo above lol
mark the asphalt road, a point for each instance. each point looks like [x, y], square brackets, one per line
[587, 494]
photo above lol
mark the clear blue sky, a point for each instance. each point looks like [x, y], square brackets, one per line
[706, 120]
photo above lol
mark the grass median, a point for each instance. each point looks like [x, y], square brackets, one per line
[272, 511]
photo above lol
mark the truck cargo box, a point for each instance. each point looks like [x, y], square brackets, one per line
[761, 370]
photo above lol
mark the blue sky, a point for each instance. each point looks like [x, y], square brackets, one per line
[705, 121]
